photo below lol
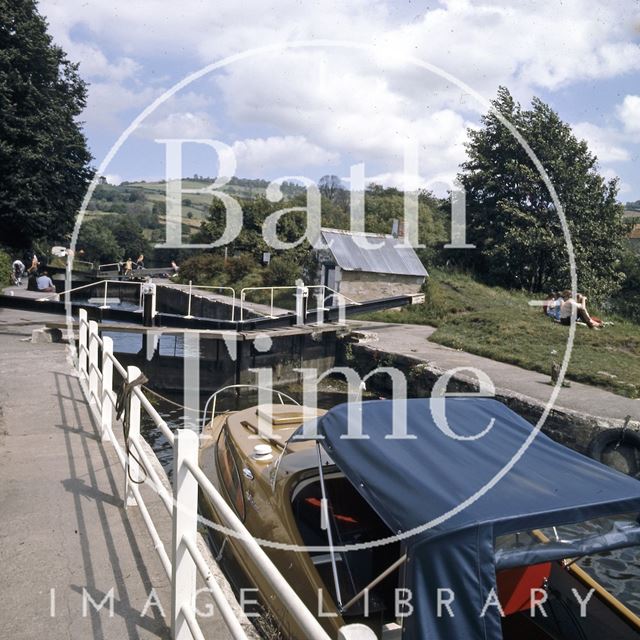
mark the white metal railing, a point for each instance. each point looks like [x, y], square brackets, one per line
[90, 264]
[56, 296]
[301, 294]
[185, 560]
[108, 264]
[198, 286]
[213, 399]
[243, 294]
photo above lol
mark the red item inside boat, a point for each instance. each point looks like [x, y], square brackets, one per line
[515, 586]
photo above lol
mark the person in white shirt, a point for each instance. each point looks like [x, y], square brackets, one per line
[45, 283]
[580, 304]
[18, 271]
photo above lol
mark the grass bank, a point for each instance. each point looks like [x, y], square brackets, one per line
[499, 324]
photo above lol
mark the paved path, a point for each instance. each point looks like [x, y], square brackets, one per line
[62, 526]
[412, 340]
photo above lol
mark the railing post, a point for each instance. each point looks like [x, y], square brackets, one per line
[272, 302]
[320, 299]
[132, 471]
[148, 304]
[82, 344]
[93, 363]
[301, 294]
[189, 304]
[242, 294]
[106, 413]
[185, 522]
[342, 311]
[104, 302]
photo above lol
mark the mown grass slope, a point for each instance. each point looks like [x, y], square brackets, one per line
[500, 324]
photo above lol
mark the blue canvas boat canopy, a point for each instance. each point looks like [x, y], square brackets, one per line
[454, 495]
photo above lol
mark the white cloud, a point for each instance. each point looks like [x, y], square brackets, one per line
[605, 143]
[186, 125]
[611, 174]
[113, 178]
[629, 114]
[108, 101]
[343, 103]
[260, 155]
[95, 65]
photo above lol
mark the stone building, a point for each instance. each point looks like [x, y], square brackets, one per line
[368, 266]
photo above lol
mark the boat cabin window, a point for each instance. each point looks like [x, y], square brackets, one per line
[352, 521]
[566, 560]
[571, 536]
[230, 474]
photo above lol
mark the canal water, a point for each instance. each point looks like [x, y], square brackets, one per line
[618, 571]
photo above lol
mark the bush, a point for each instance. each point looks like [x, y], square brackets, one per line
[206, 268]
[250, 280]
[5, 268]
[281, 272]
[240, 266]
[626, 302]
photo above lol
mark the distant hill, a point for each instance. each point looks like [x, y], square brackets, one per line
[632, 206]
[145, 201]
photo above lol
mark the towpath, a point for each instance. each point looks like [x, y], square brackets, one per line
[64, 535]
[413, 340]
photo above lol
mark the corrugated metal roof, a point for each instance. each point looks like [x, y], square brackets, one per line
[386, 254]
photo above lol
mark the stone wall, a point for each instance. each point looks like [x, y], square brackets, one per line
[364, 285]
[571, 428]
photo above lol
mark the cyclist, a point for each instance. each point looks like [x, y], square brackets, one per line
[17, 271]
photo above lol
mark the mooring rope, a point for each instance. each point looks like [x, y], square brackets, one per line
[122, 409]
[175, 404]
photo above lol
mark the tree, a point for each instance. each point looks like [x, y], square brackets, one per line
[98, 242]
[43, 152]
[281, 272]
[627, 301]
[112, 237]
[510, 213]
[129, 236]
[330, 186]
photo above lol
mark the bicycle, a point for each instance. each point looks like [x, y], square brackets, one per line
[16, 277]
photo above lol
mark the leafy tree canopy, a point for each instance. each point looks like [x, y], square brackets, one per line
[510, 213]
[44, 158]
[111, 238]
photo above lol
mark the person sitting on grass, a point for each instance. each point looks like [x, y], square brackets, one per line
[551, 306]
[45, 283]
[580, 304]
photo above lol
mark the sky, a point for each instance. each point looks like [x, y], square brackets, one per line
[366, 81]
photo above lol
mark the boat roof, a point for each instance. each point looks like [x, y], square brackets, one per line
[410, 482]
[472, 470]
